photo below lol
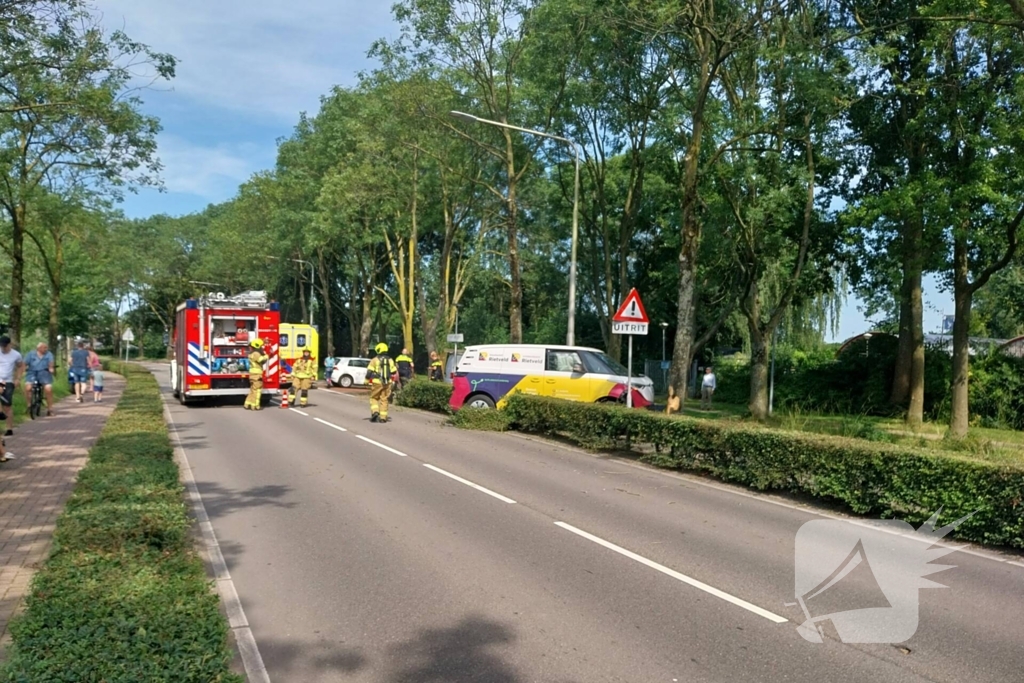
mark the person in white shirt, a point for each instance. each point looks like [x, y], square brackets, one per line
[707, 388]
[11, 367]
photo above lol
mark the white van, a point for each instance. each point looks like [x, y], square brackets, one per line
[487, 374]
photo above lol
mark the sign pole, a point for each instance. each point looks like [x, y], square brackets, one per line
[629, 376]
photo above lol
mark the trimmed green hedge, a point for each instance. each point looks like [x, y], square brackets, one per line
[426, 395]
[870, 478]
[123, 596]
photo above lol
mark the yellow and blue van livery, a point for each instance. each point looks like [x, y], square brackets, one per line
[487, 375]
[295, 337]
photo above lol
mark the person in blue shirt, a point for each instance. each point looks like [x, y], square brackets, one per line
[39, 367]
[80, 369]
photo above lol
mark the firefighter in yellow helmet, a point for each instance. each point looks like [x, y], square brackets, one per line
[303, 374]
[380, 374]
[256, 360]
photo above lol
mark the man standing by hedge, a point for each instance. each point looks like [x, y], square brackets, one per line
[707, 388]
[406, 368]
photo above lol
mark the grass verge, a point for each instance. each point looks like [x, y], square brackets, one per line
[123, 596]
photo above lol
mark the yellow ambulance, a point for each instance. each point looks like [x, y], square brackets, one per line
[295, 338]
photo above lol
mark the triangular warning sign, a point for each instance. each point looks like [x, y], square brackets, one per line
[631, 310]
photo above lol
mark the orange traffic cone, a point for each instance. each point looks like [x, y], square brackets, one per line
[284, 398]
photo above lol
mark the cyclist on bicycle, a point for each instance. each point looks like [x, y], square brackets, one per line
[39, 368]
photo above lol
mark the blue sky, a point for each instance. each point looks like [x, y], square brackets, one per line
[246, 69]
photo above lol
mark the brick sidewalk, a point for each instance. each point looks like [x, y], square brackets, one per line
[34, 486]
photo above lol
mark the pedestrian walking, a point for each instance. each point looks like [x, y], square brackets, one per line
[303, 372]
[707, 388]
[12, 365]
[97, 386]
[256, 360]
[80, 369]
[381, 374]
[94, 364]
[436, 368]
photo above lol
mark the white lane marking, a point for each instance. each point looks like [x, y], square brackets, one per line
[296, 410]
[255, 670]
[380, 445]
[1016, 564]
[764, 498]
[332, 426]
[770, 616]
[489, 492]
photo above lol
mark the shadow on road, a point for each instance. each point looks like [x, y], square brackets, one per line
[459, 654]
[283, 657]
[221, 501]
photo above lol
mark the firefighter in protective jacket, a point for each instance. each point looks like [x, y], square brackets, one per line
[380, 374]
[256, 360]
[303, 374]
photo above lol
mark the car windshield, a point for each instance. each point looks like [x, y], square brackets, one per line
[603, 364]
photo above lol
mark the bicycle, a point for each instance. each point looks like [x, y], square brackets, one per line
[35, 406]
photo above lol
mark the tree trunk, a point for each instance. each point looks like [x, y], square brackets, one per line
[366, 328]
[325, 289]
[687, 289]
[515, 309]
[758, 377]
[908, 382]
[959, 419]
[302, 295]
[53, 324]
[17, 273]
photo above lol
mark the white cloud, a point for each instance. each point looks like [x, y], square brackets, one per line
[212, 173]
[264, 59]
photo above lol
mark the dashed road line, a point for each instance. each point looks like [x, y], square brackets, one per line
[489, 492]
[332, 426]
[296, 410]
[700, 585]
[380, 445]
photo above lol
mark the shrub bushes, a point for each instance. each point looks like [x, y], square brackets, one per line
[426, 395]
[123, 596]
[870, 478]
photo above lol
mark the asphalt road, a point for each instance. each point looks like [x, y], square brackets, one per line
[428, 553]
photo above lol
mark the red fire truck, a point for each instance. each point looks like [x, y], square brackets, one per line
[211, 345]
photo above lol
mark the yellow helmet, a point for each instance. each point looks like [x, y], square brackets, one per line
[381, 348]
[256, 343]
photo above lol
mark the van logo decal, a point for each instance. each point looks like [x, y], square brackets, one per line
[478, 382]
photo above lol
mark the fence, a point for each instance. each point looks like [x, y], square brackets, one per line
[658, 371]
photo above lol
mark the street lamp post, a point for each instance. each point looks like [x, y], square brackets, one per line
[570, 337]
[664, 370]
[771, 384]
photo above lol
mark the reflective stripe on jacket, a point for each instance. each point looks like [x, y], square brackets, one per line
[304, 369]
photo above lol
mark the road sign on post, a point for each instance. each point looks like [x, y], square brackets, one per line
[127, 337]
[631, 318]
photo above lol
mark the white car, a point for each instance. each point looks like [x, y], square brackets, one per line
[348, 372]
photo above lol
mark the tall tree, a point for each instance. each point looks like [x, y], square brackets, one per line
[482, 43]
[91, 124]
